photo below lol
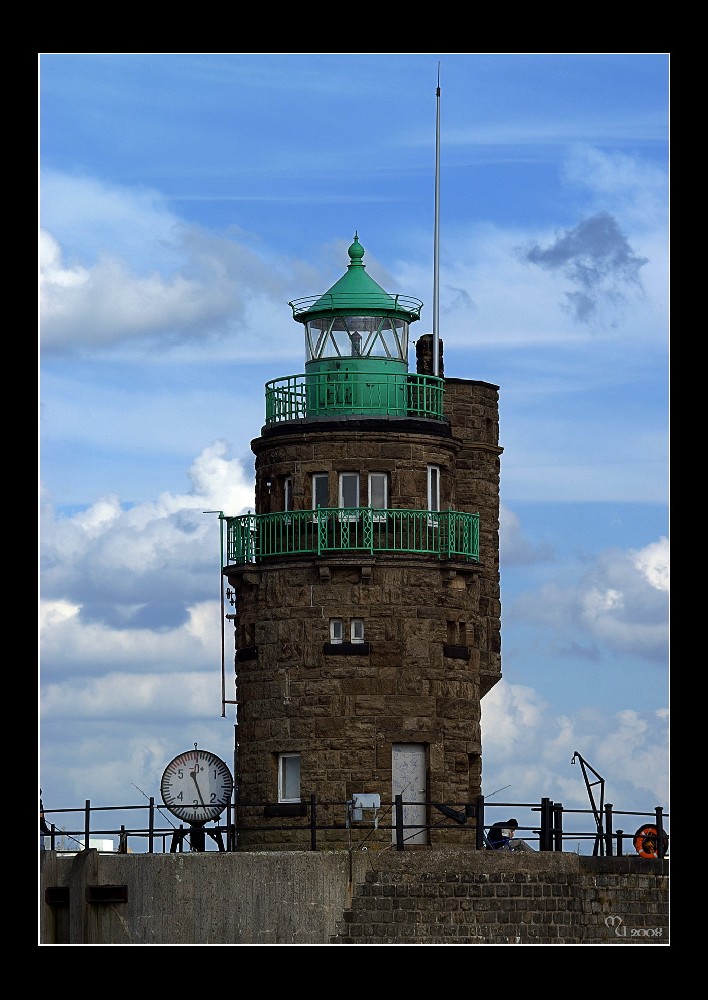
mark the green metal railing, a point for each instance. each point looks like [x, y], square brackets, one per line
[449, 534]
[297, 397]
[339, 302]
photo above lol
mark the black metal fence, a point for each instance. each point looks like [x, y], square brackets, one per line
[73, 829]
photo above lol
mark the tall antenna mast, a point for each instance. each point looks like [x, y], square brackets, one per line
[436, 251]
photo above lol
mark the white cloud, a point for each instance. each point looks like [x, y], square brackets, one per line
[53, 271]
[164, 696]
[620, 601]
[516, 549]
[91, 215]
[118, 268]
[108, 303]
[141, 567]
[636, 189]
[653, 562]
[530, 749]
[511, 714]
[71, 646]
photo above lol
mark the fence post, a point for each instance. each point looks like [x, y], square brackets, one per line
[608, 829]
[545, 843]
[313, 822]
[558, 826]
[87, 824]
[151, 826]
[619, 843]
[399, 822]
[659, 832]
[479, 832]
[230, 830]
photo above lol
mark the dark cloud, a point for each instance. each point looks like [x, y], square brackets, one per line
[157, 616]
[597, 258]
[457, 298]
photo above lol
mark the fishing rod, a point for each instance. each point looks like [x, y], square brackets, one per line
[498, 790]
[169, 820]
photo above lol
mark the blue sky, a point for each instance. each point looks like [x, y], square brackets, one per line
[185, 199]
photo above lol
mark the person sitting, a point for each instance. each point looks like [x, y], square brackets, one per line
[501, 837]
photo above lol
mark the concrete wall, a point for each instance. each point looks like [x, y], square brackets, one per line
[445, 896]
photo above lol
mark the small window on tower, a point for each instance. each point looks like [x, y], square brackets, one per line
[289, 777]
[336, 631]
[288, 493]
[357, 630]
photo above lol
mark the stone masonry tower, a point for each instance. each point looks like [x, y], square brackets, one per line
[366, 583]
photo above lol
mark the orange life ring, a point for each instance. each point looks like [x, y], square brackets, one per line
[646, 842]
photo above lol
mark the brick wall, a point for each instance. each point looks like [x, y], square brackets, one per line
[509, 899]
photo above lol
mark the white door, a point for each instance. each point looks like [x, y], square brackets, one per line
[408, 781]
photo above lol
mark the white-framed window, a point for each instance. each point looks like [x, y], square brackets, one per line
[320, 490]
[348, 493]
[348, 489]
[434, 487]
[357, 630]
[336, 630]
[288, 493]
[288, 777]
[378, 492]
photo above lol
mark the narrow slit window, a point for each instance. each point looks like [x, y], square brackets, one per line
[336, 630]
[433, 488]
[288, 493]
[357, 630]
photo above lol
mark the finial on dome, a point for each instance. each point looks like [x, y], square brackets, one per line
[356, 250]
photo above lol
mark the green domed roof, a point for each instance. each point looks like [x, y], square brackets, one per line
[356, 292]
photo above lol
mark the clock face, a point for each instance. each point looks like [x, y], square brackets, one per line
[196, 786]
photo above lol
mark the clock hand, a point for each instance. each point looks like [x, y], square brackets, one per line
[199, 791]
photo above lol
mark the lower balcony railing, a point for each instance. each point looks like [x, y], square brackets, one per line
[449, 534]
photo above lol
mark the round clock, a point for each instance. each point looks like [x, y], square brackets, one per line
[196, 786]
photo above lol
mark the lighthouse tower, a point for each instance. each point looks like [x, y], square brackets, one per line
[366, 583]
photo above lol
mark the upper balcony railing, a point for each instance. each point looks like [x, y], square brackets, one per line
[345, 393]
[340, 302]
[449, 534]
